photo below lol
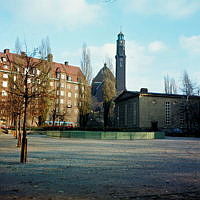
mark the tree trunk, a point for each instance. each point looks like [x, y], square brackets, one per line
[24, 140]
[16, 129]
[19, 142]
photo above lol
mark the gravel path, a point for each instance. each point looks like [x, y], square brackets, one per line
[78, 169]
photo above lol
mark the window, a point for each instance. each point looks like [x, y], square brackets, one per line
[14, 78]
[182, 115]
[76, 87]
[38, 72]
[69, 94]
[5, 84]
[51, 83]
[29, 80]
[134, 113]
[25, 71]
[57, 101]
[167, 113]
[58, 92]
[69, 78]
[61, 101]
[68, 86]
[62, 93]
[62, 76]
[62, 85]
[5, 75]
[5, 66]
[57, 74]
[58, 84]
[121, 62]
[4, 93]
[3, 59]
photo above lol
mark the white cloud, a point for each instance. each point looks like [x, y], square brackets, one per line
[171, 8]
[138, 63]
[61, 13]
[99, 55]
[191, 44]
[140, 68]
[156, 46]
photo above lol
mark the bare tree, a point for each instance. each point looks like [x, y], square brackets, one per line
[29, 85]
[45, 48]
[188, 86]
[18, 47]
[86, 66]
[170, 85]
[109, 63]
[84, 88]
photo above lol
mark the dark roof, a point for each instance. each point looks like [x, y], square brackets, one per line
[131, 94]
[99, 77]
[98, 81]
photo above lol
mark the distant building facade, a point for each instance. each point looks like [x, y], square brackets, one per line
[120, 64]
[144, 110]
[64, 82]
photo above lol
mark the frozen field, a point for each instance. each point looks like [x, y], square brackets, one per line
[100, 169]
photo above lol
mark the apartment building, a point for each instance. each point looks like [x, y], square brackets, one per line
[65, 83]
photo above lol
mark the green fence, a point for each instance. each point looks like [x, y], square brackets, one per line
[107, 135]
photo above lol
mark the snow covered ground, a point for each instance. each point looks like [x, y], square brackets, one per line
[61, 168]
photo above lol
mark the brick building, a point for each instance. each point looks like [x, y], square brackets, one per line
[64, 81]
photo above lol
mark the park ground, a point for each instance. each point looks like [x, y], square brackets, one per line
[80, 169]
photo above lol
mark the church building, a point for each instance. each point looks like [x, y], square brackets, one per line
[145, 110]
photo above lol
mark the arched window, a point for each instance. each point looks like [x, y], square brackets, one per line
[58, 73]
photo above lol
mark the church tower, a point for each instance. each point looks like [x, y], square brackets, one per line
[120, 64]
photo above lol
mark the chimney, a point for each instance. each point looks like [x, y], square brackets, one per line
[144, 90]
[23, 53]
[6, 51]
[66, 63]
[50, 57]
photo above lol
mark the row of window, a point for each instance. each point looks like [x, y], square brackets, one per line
[167, 113]
[63, 76]
[69, 102]
[69, 94]
[63, 85]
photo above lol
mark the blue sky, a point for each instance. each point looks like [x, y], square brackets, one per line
[162, 36]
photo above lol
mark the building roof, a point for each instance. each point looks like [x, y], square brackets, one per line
[63, 68]
[98, 81]
[131, 94]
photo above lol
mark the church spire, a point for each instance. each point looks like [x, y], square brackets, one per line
[120, 64]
